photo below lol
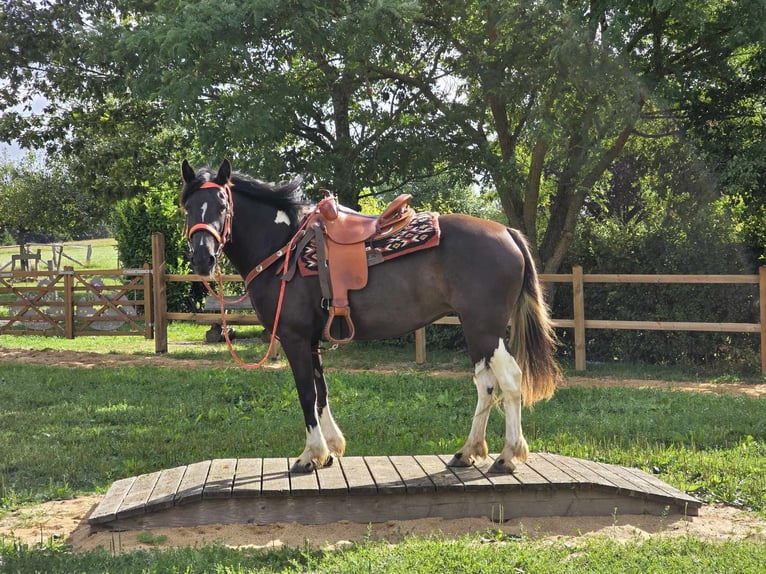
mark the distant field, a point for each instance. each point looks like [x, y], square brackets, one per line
[74, 253]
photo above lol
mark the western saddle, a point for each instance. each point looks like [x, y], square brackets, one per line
[342, 237]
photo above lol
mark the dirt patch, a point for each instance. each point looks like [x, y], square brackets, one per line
[89, 360]
[66, 521]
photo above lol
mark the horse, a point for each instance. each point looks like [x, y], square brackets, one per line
[481, 271]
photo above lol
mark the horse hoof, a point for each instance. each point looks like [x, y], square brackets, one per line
[299, 467]
[458, 460]
[501, 466]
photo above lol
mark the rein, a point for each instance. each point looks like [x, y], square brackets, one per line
[284, 251]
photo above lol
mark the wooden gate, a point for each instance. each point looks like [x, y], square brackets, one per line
[72, 303]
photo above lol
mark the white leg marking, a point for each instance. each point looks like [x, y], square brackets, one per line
[484, 379]
[282, 217]
[336, 442]
[508, 375]
[316, 450]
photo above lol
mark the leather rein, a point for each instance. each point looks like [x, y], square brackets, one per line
[224, 237]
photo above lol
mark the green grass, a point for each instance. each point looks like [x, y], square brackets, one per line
[415, 555]
[66, 431]
[103, 255]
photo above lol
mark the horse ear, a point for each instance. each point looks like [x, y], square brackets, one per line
[187, 172]
[224, 173]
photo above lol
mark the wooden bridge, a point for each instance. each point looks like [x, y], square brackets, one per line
[380, 488]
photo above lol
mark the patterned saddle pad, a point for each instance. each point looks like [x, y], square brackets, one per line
[422, 233]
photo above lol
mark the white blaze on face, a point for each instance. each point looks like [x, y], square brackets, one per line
[203, 209]
[282, 217]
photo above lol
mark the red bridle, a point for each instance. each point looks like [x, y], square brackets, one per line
[224, 236]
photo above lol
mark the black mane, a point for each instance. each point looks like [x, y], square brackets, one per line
[286, 195]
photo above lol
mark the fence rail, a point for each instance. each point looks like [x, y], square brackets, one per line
[577, 279]
[69, 303]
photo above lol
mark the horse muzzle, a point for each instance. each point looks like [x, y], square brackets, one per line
[205, 253]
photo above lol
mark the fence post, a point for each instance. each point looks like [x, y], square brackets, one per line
[148, 314]
[762, 305]
[159, 286]
[69, 302]
[578, 304]
[420, 345]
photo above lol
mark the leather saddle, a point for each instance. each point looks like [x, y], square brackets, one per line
[342, 237]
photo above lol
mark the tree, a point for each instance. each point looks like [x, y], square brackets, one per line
[537, 100]
[40, 199]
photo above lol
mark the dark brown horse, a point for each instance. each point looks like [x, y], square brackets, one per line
[481, 271]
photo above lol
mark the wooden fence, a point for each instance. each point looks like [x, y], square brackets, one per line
[577, 279]
[71, 303]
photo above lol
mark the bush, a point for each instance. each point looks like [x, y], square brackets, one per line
[701, 244]
[135, 220]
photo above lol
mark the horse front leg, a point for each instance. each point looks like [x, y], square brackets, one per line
[316, 454]
[336, 442]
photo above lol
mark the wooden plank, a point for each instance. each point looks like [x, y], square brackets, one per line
[524, 474]
[553, 473]
[193, 482]
[584, 473]
[135, 500]
[472, 478]
[220, 479]
[106, 511]
[503, 482]
[674, 326]
[414, 477]
[165, 490]
[247, 477]
[331, 479]
[384, 473]
[440, 474]
[358, 476]
[661, 489]
[624, 485]
[275, 478]
[302, 483]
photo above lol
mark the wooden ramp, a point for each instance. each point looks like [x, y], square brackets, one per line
[380, 488]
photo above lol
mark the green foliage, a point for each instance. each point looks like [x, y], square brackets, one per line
[536, 101]
[134, 221]
[699, 243]
[43, 202]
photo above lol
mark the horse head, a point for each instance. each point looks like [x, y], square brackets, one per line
[206, 198]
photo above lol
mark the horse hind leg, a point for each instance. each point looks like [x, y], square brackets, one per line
[475, 447]
[508, 374]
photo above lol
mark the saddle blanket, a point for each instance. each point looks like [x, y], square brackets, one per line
[421, 233]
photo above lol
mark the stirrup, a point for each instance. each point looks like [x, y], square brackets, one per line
[345, 313]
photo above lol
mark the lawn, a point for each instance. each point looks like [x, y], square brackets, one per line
[72, 431]
[65, 432]
[103, 254]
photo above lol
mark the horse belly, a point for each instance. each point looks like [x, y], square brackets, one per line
[401, 295]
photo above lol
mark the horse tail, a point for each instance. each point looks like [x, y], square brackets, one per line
[532, 338]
